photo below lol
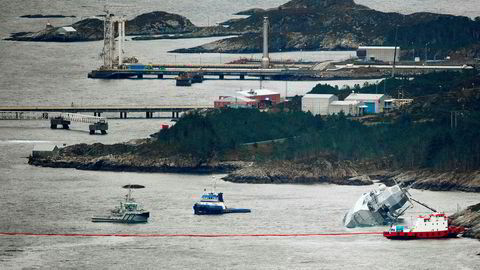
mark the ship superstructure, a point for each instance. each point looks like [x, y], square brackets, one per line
[380, 206]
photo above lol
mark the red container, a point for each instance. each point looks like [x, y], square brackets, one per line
[164, 126]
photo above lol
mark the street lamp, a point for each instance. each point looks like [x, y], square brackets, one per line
[426, 52]
[413, 47]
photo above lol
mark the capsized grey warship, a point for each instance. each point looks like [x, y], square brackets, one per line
[380, 206]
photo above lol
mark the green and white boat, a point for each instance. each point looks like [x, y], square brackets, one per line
[129, 210]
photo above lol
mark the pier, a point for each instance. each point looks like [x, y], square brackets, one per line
[218, 72]
[97, 110]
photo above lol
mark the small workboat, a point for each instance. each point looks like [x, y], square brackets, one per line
[184, 79]
[212, 203]
[426, 227]
[129, 210]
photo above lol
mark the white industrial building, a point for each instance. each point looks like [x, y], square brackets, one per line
[44, 150]
[66, 30]
[348, 107]
[317, 104]
[374, 103]
[378, 53]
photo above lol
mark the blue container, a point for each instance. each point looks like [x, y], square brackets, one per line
[137, 67]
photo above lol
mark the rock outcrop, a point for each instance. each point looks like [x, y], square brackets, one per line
[310, 171]
[158, 22]
[470, 219]
[434, 180]
[129, 157]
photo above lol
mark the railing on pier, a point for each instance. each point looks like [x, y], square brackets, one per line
[76, 117]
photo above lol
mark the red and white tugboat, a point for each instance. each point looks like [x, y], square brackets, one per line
[430, 226]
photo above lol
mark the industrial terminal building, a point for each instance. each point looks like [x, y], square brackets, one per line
[378, 53]
[261, 98]
[261, 95]
[235, 102]
[317, 103]
[374, 103]
[355, 104]
[348, 107]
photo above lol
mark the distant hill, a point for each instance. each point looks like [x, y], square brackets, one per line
[342, 24]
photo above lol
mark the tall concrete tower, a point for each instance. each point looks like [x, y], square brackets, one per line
[121, 39]
[265, 58]
[109, 44]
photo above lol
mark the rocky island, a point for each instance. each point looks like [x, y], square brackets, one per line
[90, 29]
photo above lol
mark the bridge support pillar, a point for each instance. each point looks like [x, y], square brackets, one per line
[102, 126]
[59, 121]
[160, 76]
[242, 77]
[123, 115]
[149, 114]
[221, 77]
[140, 76]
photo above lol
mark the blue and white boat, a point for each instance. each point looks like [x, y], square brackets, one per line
[212, 204]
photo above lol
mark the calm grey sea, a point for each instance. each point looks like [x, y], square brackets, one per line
[44, 200]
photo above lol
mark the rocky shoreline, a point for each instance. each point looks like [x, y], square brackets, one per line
[290, 172]
[137, 157]
[322, 169]
[470, 219]
[132, 163]
[41, 16]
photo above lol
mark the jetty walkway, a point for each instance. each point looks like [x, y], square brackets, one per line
[97, 110]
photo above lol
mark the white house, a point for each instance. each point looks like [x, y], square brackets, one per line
[44, 150]
[66, 31]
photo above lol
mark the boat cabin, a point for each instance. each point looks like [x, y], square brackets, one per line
[130, 206]
[212, 197]
[432, 222]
